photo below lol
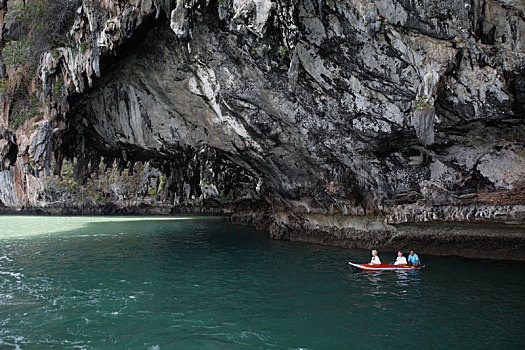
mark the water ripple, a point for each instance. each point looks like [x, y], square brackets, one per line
[205, 284]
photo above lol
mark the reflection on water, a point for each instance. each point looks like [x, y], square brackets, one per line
[28, 226]
[403, 281]
[104, 283]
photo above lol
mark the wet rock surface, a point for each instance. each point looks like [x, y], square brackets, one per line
[469, 238]
[378, 113]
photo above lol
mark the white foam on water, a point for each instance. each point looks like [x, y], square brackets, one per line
[16, 275]
[249, 334]
[12, 341]
[13, 345]
[4, 300]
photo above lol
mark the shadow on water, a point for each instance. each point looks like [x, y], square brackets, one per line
[204, 283]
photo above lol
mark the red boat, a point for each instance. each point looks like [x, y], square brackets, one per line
[384, 267]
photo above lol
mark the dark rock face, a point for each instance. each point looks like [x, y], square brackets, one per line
[386, 112]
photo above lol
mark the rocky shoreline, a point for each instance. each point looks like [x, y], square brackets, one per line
[475, 239]
[501, 240]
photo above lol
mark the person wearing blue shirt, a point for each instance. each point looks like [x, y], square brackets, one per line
[413, 259]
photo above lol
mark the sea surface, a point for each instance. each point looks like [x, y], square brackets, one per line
[202, 283]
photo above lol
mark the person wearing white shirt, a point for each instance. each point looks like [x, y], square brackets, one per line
[400, 260]
[375, 259]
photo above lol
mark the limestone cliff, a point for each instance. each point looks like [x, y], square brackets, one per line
[332, 118]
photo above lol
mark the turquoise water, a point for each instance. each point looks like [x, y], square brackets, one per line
[200, 283]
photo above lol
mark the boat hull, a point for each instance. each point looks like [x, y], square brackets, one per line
[383, 267]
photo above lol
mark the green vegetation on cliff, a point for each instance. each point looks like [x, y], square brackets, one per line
[16, 53]
[40, 24]
[106, 185]
[34, 27]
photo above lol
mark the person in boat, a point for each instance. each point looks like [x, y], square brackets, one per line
[375, 259]
[413, 259]
[400, 260]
